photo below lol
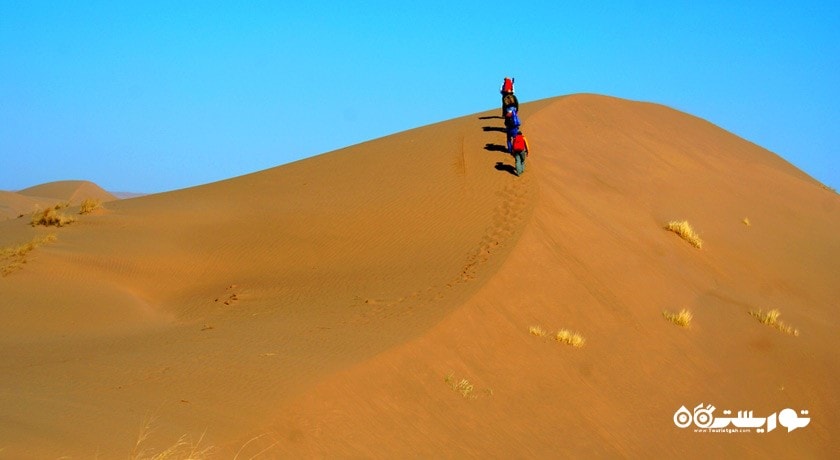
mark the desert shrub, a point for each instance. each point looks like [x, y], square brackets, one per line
[51, 216]
[89, 205]
[684, 230]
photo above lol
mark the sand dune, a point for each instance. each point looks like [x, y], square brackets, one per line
[331, 307]
[73, 192]
[13, 205]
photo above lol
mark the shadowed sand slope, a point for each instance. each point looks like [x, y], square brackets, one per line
[594, 258]
[395, 282]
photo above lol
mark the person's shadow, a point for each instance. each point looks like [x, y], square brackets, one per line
[495, 148]
[494, 128]
[503, 167]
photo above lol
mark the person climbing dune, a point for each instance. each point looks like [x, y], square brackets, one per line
[512, 125]
[508, 98]
[507, 86]
[520, 152]
[509, 101]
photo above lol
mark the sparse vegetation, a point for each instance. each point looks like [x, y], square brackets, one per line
[464, 387]
[570, 338]
[8, 268]
[682, 319]
[563, 335]
[771, 318]
[89, 205]
[264, 450]
[51, 216]
[12, 258]
[537, 331]
[183, 449]
[684, 230]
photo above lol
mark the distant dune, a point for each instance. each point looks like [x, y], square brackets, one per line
[14, 204]
[73, 191]
[124, 195]
[401, 298]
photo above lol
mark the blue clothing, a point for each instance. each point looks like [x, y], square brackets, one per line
[511, 126]
[512, 118]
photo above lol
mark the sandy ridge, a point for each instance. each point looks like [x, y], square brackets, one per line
[575, 267]
[359, 285]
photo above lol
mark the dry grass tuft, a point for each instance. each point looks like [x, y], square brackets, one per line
[537, 331]
[771, 318]
[12, 258]
[684, 230]
[570, 338]
[51, 216]
[258, 454]
[89, 205]
[564, 335]
[463, 386]
[682, 319]
[183, 449]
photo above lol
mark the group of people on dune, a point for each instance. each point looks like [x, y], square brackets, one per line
[517, 145]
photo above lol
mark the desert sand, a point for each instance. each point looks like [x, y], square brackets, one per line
[384, 300]
[71, 192]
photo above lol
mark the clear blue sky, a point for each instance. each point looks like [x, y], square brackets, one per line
[149, 96]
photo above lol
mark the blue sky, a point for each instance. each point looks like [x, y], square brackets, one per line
[149, 96]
